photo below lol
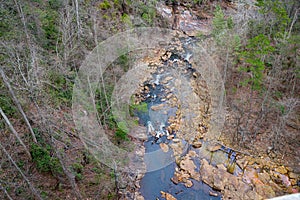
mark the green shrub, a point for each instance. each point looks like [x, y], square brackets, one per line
[61, 89]
[6, 102]
[111, 196]
[148, 13]
[56, 167]
[77, 167]
[104, 5]
[49, 25]
[19, 191]
[197, 1]
[122, 130]
[9, 23]
[254, 57]
[126, 19]
[220, 24]
[44, 195]
[4, 23]
[20, 163]
[44, 161]
[112, 174]
[55, 4]
[141, 107]
[41, 157]
[7, 105]
[224, 34]
[105, 114]
[78, 176]
[39, 136]
[276, 10]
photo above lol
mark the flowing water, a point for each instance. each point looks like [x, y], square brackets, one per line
[158, 178]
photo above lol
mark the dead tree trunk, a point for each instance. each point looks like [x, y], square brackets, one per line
[77, 19]
[58, 154]
[14, 131]
[28, 41]
[68, 173]
[32, 188]
[5, 192]
[6, 82]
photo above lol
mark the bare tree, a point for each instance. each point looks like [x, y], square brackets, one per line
[14, 132]
[30, 45]
[77, 19]
[32, 188]
[16, 101]
[67, 172]
[46, 124]
[5, 192]
[68, 45]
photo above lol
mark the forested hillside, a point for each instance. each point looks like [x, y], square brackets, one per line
[254, 45]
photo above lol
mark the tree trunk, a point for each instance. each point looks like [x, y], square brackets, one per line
[5, 192]
[17, 104]
[14, 131]
[32, 188]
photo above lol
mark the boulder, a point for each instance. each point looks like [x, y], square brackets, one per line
[231, 187]
[197, 144]
[281, 170]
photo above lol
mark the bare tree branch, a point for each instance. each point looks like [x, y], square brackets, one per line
[70, 176]
[16, 101]
[14, 132]
[293, 22]
[29, 43]
[32, 188]
[77, 18]
[67, 172]
[5, 192]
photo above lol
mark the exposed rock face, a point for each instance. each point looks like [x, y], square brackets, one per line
[185, 19]
[281, 170]
[231, 187]
[192, 124]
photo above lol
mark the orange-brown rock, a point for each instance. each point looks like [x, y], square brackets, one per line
[167, 196]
